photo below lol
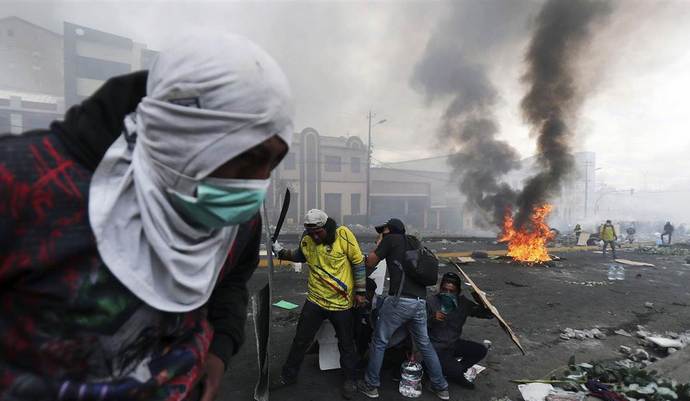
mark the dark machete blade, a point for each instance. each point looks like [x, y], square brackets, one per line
[283, 212]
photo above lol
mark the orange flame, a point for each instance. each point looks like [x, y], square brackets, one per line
[528, 244]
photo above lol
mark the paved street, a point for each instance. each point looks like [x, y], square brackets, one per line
[538, 302]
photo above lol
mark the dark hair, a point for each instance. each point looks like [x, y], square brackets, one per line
[452, 278]
[330, 227]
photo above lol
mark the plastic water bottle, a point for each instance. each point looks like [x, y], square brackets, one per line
[620, 273]
[411, 373]
[612, 272]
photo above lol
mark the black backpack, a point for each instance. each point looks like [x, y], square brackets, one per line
[420, 263]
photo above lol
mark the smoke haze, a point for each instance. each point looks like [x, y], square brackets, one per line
[563, 29]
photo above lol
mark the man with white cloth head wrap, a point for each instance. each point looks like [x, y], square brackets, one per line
[148, 287]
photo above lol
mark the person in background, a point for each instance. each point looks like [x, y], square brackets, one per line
[337, 282]
[630, 233]
[130, 229]
[608, 235]
[405, 305]
[668, 232]
[448, 310]
[577, 231]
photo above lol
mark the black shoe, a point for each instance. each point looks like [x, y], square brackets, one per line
[463, 382]
[349, 389]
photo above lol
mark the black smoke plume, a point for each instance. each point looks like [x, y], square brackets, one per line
[454, 67]
[564, 28]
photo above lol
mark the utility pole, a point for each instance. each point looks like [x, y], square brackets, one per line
[587, 164]
[369, 171]
[369, 117]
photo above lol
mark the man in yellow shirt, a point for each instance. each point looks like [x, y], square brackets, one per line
[608, 235]
[337, 282]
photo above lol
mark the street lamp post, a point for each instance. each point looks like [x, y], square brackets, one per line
[369, 117]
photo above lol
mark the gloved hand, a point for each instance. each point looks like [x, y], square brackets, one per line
[276, 247]
[360, 300]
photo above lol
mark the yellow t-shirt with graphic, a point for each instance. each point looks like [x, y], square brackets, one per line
[331, 279]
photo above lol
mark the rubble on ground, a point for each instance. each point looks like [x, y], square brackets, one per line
[672, 250]
[570, 334]
[588, 283]
[625, 378]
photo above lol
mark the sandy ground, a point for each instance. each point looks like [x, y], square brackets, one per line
[537, 301]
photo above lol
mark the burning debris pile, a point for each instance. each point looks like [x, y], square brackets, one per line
[528, 244]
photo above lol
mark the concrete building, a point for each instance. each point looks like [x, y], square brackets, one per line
[92, 56]
[330, 173]
[31, 75]
[42, 73]
[323, 172]
[421, 192]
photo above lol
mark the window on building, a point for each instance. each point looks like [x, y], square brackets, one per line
[356, 165]
[289, 163]
[10, 32]
[332, 163]
[355, 208]
[333, 205]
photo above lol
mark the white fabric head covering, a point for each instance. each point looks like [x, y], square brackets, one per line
[315, 217]
[210, 97]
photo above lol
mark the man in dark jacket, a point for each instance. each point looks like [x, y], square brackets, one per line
[668, 232]
[405, 306]
[126, 241]
[448, 311]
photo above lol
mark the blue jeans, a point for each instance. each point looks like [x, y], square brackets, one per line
[412, 313]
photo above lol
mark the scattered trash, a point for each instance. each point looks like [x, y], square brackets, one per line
[463, 260]
[560, 395]
[616, 272]
[618, 380]
[588, 283]
[487, 344]
[625, 350]
[633, 263]
[603, 391]
[535, 391]
[471, 373]
[569, 334]
[622, 332]
[286, 305]
[666, 250]
[649, 305]
[666, 342]
[641, 355]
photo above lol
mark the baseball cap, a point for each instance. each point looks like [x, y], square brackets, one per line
[394, 225]
[315, 218]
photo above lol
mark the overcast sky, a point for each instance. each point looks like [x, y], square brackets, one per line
[344, 58]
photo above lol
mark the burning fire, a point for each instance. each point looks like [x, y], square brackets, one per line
[528, 244]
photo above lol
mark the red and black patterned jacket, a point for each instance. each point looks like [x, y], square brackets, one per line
[70, 329]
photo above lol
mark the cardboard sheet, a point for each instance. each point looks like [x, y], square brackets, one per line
[494, 311]
[633, 263]
[582, 239]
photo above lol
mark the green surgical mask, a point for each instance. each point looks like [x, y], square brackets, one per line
[221, 202]
[448, 302]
